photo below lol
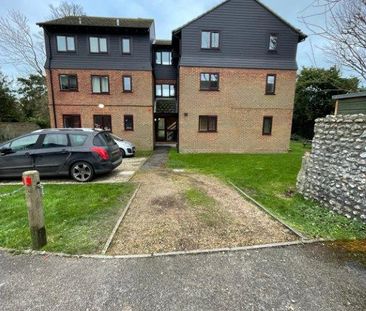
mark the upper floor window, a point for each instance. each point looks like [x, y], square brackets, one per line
[273, 42]
[127, 83]
[100, 84]
[98, 45]
[209, 81]
[163, 58]
[271, 84]
[65, 43]
[68, 83]
[210, 39]
[126, 45]
[165, 90]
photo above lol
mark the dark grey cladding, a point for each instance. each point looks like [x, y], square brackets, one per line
[244, 26]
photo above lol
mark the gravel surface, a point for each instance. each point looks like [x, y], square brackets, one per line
[161, 220]
[312, 277]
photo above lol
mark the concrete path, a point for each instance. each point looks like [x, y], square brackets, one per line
[158, 159]
[309, 277]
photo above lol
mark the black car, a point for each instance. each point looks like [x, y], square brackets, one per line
[79, 153]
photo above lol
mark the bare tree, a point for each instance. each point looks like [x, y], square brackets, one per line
[66, 9]
[18, 45]
[24, 48]
[344, 28]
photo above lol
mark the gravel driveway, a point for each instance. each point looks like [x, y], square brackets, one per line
[163, 217]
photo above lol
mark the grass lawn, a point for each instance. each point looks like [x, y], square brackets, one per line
[79, 218]
[271, 179]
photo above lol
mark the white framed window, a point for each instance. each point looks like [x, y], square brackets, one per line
[126, 45]
[65, 43]
[163, 58]
[210, 40]
[98, 45]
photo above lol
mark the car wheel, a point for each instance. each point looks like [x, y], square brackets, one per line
[123, 153]
[82, 172]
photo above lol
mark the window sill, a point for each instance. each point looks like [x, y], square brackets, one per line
[269, 93]
[66, 52]
[210, 49]
[68, 91]
[100, 93]
[207, 131]
[263, 134]
[127, 92]
[98, 53]
[210, 90]
[128, 130]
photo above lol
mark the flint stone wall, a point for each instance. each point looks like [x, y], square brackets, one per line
[334, 173]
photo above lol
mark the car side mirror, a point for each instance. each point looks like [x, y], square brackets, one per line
[5, 151]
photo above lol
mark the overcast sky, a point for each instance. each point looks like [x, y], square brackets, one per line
[168, 15]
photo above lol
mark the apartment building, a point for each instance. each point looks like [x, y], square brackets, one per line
[225, 82]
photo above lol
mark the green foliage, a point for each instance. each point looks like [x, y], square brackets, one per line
[33, 99]
[271, 179]
[314, 90]
[79, 218]
[9, 110]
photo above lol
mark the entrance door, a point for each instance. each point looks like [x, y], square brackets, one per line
[166, 129]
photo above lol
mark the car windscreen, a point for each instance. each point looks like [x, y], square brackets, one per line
[103, 139]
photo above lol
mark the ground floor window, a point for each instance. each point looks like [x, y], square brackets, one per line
[103, 122]
[71, 121]
[267, 125]
[207, 123]
[128, 122]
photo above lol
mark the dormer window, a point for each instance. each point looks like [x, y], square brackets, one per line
[65, 43]
[210, 40]
[98, 45]
[273, 42]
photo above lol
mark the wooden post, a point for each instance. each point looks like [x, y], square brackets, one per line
[336, 107]
[33, 196]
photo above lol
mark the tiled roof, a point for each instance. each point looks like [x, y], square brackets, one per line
[99, 22]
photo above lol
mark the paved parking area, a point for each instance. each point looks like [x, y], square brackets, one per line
[313, 277]
[123, 173]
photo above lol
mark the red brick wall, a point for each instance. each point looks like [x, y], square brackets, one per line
[240, 106]
[83, 102]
